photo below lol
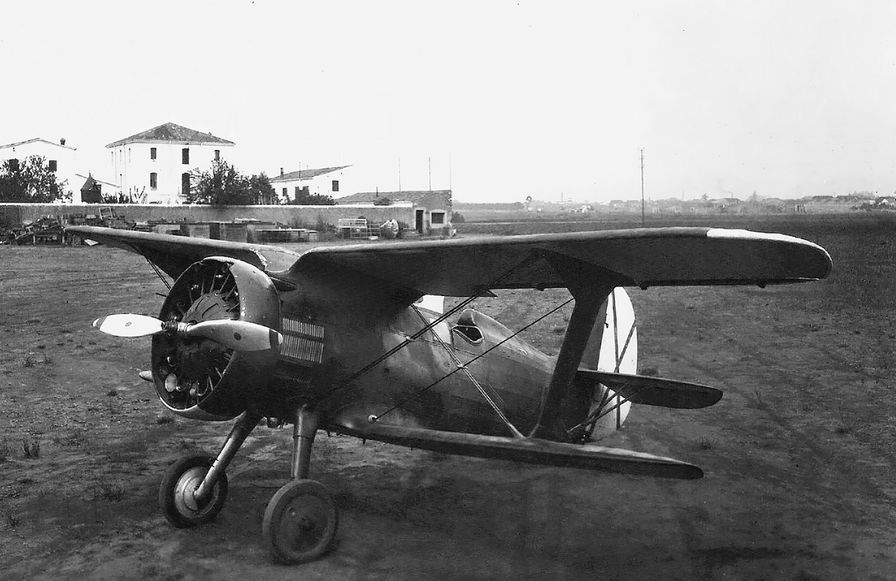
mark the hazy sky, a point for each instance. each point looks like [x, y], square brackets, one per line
[515, 98]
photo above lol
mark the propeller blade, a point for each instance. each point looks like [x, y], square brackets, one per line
[237, 335]
[128, 325]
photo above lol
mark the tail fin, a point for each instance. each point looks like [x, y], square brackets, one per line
[612, 347]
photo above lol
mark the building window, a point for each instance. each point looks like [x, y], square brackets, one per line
[152, 153]
[285, 195]
[335, 187]
[185, 155]
[184, 183]
[217, 155]
[52, 164]
[153, 180]
[437, 218]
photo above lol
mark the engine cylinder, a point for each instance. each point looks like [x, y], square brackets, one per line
[200, 378]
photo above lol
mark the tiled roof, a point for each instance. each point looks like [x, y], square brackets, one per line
[18, 143]
[415, 196]
[306, 174]
[168, 132]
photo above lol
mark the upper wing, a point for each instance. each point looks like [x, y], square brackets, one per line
[468, 266]
[174, 254]
[640, 257]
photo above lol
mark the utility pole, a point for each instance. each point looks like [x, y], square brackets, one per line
[450, 185]
[642, 187]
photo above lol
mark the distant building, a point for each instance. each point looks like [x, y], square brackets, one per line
[93, 190]
[326, 181]
[432, 209]
[61, 158]
[154, 166]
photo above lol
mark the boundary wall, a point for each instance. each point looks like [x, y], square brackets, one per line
[308, 216]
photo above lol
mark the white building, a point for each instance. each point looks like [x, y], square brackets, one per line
[154, 166]
[61, 158]
[327, 181]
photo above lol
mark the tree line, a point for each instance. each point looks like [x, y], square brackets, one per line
[32, 181]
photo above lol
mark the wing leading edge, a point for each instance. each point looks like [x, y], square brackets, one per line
[467, 266]
[639, 257]
[174, 254]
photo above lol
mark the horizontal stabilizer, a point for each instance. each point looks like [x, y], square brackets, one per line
[530, 450]
[656, 391]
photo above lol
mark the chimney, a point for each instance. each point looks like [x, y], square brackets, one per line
[62, 141]
[281, 172]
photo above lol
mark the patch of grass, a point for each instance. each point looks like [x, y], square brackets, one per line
[32, 359]
[705, 443]
[112, 392]
[31, 448]
[74, 438]
[12, 519]
[110, 491]
[164, 419]
[757, 399]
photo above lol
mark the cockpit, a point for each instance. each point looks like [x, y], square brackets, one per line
[467, 329]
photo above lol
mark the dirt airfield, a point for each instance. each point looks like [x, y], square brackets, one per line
[799, 456]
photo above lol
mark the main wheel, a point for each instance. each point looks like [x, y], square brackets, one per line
[176, 492]
[300, 522]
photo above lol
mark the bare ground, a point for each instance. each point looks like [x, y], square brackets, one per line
[798, 455]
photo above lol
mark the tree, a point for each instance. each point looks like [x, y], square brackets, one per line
[305, 198]
[261, 190]
[222, 185]
[31, 181]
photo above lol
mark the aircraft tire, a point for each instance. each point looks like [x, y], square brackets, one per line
[300, 522]
[176, 492]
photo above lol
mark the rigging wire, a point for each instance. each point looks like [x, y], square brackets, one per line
[157, 271]
[488, 398]
[481, 355]
[410, 339]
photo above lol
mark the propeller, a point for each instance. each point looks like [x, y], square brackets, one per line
[237, 335]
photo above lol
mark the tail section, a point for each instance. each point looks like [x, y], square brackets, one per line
[613, 348]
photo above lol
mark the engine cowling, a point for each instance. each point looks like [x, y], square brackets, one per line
[199, 378]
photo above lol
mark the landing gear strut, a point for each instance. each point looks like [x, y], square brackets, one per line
[301, 519]
[194, 488]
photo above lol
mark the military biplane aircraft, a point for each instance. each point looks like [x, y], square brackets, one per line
[355, 339]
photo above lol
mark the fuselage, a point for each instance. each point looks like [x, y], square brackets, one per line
[420, 384]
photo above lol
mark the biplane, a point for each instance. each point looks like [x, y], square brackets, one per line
[356, 339]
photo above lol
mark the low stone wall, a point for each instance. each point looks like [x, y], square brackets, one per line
[15, 214]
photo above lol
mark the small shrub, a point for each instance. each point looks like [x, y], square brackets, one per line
[111, 491]
[31, 449]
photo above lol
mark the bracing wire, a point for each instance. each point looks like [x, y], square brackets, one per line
[481, 355]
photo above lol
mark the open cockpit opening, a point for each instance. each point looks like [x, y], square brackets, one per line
[466, 327]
